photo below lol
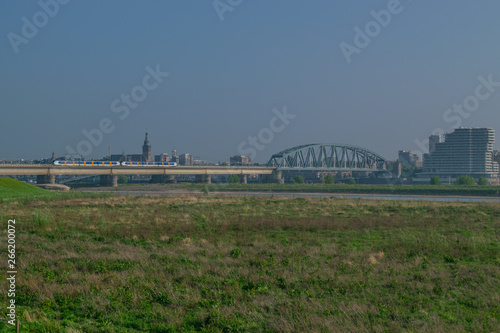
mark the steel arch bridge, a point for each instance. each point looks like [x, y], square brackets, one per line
[328, 157]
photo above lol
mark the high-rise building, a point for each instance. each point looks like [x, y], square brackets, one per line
[466, 151]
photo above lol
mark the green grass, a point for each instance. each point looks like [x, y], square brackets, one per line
[12, 188]
[249, 264]
[450, 190]
[15, 190]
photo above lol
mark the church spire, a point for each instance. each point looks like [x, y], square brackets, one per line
[146, 149]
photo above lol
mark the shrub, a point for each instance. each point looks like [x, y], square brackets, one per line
[465, 180]
[298, 180]
[351, 181]
[435, 180]
[122, 179]
[329, 179]
[234, 179]
[482, 181]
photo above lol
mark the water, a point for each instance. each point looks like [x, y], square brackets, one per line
[331, 195]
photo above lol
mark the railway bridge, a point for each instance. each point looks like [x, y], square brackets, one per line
[330, 157]
[109, 174]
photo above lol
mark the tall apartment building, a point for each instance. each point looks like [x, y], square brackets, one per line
[466, 151]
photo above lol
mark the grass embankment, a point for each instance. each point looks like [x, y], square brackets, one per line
[15, 190]
[443, 190]
[238, 264]
[12, 189]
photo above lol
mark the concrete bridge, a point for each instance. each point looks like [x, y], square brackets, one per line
[109, 174]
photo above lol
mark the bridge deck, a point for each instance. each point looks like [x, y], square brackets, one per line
[34, 170]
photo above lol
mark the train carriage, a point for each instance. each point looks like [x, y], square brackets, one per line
[161, 164]
[114, 163]
[87, 163]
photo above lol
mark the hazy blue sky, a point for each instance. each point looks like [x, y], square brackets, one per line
[226, 76]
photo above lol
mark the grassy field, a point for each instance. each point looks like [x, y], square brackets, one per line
[248, 264]
[450, 190]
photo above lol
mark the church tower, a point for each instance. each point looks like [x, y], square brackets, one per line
[146, 149]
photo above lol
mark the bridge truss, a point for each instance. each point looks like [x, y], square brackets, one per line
[328, 157]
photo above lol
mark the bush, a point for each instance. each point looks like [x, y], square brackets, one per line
[298, 180]
[329, 179]
[435, 180]
[465, 180]
[234, 179]
[122, 179]
[351, 181]
[482, 181]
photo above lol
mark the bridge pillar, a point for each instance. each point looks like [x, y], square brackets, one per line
[276, 178]
[205, 179]
[108, 180]
[46, 179]
[243, 179]
[163, 179]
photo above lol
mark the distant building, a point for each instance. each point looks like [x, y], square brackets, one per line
[239, 160]
[174, 157]
[144, 157]
[466, 151]
[199, 162]
[162, 158]
[408, 158]
[185, 159]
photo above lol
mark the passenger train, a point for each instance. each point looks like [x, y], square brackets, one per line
[114, 163]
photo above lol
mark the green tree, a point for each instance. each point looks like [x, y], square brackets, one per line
[435, 180]
[465, 180]
[298, 180]
[122, 179]
[329, 179]
[482, 181]
[352, 181]
[234, 179]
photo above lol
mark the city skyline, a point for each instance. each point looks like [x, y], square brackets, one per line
[382, 75]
